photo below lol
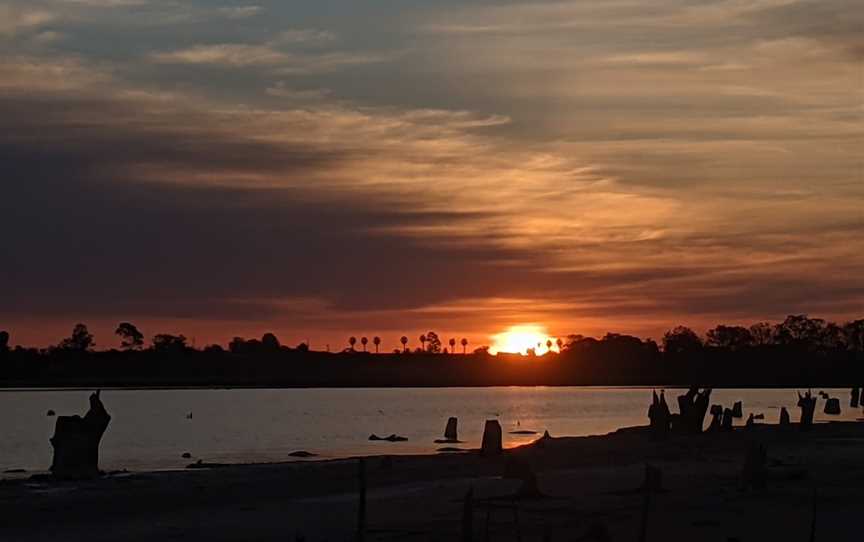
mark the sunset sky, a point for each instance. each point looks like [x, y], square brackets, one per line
[341, 167]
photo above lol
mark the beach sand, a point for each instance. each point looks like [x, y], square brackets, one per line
[588, 483]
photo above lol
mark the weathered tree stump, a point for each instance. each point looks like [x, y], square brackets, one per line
[716, 418]
[737, 410]
[726, 424]
[451, 435]
[76, 442]
[832, 406]
[807, 403]
[692, 407]
[450, 431]
[659, 416]
[492, 444]
[784, 417]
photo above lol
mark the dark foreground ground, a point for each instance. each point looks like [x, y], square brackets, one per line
[590, 484]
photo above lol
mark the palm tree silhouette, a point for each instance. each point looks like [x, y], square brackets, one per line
[452, 345]
[560, 344]
[423, 342]
[376, 341]
[464, 343]
[404, 341]
[364, 341]
[351, 342]
[548, 345]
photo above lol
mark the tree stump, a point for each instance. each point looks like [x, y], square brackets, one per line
[807, 403]
[76, 442]
[784, 417]
[492, 444]
[737, 410]
[726, 424]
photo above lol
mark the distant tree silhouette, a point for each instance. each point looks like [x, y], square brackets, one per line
[351, 342]
[853, 335]
[377, 342]
[573, 340]
[548, 345]
[452, 343]
[798, 330]
[730, 337]
[270, 343]
[237, 345]
[681, 340]
[762, 334]
[560, 344]
[832, 338]
[797, 352]
[423, 342]
[165, 343]
[364, 341]
[214, 349]
[130, 337]
[434, 342]
[81, 340]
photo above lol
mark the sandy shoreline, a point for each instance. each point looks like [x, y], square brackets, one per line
[586, 481]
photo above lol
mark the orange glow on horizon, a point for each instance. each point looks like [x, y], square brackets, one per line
[518, 339]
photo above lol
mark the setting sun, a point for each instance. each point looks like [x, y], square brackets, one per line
[518, 339]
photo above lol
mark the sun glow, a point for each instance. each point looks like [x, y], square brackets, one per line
[519, 339]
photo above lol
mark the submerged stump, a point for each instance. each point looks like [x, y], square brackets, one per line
[451, 435]
[76, 442]
[450, 432]
[832, 406]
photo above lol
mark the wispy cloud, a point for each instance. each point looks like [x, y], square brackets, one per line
[240, 12]
[15, 19]
[229, 54]
[280, 53]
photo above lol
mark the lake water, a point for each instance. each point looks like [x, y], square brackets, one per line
[150, 429]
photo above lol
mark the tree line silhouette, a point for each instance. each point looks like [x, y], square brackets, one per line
[799, 351]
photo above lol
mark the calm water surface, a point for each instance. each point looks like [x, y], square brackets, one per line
[150, 428]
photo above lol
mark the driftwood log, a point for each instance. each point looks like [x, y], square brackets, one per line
[76, 442]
